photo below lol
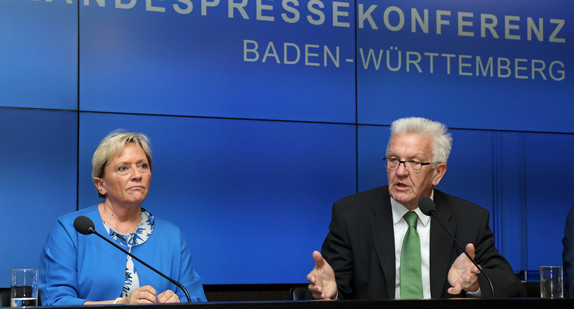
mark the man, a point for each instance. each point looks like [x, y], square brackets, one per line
[568, 254]
[361, 256]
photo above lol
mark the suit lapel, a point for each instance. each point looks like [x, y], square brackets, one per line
[441, 245]
[382, 230]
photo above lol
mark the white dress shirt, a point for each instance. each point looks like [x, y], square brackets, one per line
[423, 229]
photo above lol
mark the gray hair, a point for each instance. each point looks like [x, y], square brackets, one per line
[112, 145]
[442, 141]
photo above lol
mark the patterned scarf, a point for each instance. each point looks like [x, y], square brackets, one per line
[142, 233]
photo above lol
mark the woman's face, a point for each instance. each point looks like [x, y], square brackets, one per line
[126, 177]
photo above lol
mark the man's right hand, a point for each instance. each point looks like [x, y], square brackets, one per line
[322, 279]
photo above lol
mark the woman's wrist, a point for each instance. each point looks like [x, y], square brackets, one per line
[118, 300]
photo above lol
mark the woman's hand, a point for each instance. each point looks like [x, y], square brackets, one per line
[142, 295]
[168, 297]
[148, 295]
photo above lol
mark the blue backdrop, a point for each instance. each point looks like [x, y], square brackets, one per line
[263, 113]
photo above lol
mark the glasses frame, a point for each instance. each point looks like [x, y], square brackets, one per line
[386, 160]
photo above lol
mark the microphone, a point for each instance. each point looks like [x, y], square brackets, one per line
[427, 207]
[84, 225]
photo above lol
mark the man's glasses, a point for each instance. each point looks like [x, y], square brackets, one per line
[411, 165]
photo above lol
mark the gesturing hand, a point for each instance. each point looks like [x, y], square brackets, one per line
[322, 279]
[463, 275]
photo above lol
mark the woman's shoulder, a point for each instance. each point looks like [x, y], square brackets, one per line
[165, 224]
[90, 212]
[166, 228]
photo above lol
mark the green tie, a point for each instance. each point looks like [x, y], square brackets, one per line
[411, 278]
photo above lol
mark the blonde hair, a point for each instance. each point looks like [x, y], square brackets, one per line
[112, 145]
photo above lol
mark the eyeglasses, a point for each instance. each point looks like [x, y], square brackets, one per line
[127, 168]
[412, 165]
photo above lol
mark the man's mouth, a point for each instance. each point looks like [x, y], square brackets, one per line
[401, 185]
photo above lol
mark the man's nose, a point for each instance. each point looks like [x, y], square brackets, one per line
[402, 168]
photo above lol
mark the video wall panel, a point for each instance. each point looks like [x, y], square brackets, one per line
[509, 185]
[39, 54]
[469, 166]
[245, 193]
[262, 60]
[497, 65]
[37, 182]
[263, 113]
[504, 173]
[549, 186]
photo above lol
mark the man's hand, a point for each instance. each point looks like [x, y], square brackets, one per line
[322, 279]
[463, 275]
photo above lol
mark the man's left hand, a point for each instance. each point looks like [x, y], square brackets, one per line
[463, 275]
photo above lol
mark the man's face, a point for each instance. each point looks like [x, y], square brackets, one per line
[406, 185]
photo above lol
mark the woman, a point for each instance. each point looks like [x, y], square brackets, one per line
[76, 269]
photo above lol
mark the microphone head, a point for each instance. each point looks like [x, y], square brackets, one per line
[84, 225]
[426, 205]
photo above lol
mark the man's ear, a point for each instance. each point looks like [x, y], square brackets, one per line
[439, 172]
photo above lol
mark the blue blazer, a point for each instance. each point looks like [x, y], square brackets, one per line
[75, 268]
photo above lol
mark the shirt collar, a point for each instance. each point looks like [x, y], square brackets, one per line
[399, 211]
[142, 233]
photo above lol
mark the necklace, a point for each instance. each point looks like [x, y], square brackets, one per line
[111, 219]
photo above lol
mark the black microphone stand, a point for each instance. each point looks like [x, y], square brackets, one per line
[466, 253]
[179, 285]
[426, 205]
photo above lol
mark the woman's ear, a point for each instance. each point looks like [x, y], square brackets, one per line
[100, 185]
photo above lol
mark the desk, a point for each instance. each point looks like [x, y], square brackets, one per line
[521, 303]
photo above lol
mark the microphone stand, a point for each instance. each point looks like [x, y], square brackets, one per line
[179, 285]
[432, 212]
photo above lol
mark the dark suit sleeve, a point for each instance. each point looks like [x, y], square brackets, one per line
[568, 254]
[494, 265]
[338, 253]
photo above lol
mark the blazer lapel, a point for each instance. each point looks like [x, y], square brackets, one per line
[441, 245]
[382, 230]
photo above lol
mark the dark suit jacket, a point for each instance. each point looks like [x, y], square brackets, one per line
[568, 254]
[360, 247]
